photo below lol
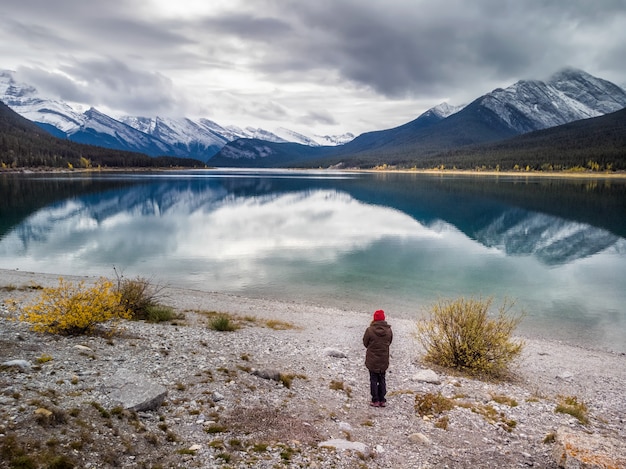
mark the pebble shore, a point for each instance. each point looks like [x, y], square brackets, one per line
[224, 408]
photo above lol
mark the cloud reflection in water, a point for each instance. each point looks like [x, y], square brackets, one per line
[326, 246]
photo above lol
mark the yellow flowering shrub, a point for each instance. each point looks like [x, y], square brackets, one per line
[73, 308]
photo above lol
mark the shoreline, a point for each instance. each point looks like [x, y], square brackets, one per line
[437, 172]
[328, 397]
[506, 173]
[186, 297]
[22, 278]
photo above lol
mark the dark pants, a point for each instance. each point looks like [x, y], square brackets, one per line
[378, 386]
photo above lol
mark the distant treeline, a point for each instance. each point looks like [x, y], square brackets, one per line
[24, 144]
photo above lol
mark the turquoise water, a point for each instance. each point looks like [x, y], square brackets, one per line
[357, 241]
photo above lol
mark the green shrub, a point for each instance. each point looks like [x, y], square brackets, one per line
[61, 462]
[460, 334]
[159, 313]
[137, 295]
[74, 309]
[222, 323]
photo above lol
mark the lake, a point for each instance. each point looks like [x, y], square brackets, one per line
[353, 240]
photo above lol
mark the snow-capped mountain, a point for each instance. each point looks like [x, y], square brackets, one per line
[25, 101]
[182, 137]
[91, 127]
[193, 139]
[567, 96]
[312, 141]
[102, 130]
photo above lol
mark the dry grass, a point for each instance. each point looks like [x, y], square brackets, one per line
[270, 425]
[430, 404]
[233, 321]
[572, 406]
[340, 386]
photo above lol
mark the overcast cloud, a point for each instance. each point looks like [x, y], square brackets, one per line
[319, 67]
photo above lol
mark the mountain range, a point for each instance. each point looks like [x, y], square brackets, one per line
[443, 135]
[526, 106]
[154, 136]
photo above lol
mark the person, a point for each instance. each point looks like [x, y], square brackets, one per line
[377, 339]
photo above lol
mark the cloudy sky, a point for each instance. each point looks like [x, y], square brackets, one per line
[323, 66]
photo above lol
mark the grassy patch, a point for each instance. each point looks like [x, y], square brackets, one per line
[340, 386]
[501, 399]
[44, 358]
[279, 325]
[161, 313]
[219, 320]
[443, 422]
[215, 428]
[223, 323]
[572, 406]
[12, 287]
[550, 438]
[431, 405]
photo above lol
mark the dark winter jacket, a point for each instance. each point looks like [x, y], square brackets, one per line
[377, 338]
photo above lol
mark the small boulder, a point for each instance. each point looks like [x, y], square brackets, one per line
[134, 391]
[345, 445]
[427, 376]
[333, 352]
[578, 450]
[83, 348]
[21, 364]
[267, 374]
[419, 438]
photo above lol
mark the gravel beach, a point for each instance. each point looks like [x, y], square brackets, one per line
[289, 389]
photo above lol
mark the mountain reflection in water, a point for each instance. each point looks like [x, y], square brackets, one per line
[357, 241]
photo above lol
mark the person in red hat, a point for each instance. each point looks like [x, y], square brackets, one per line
[377, 339]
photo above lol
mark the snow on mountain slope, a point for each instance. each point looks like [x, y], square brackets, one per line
[314, 140]
[262, 134]
[444, 110]
[91, 127]
[334, 140]
[291, 136]
[593, 92]
[97, 125]
[568, 96]
[24, 100]
[182, 132]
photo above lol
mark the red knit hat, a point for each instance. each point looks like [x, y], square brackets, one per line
[379, 315]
